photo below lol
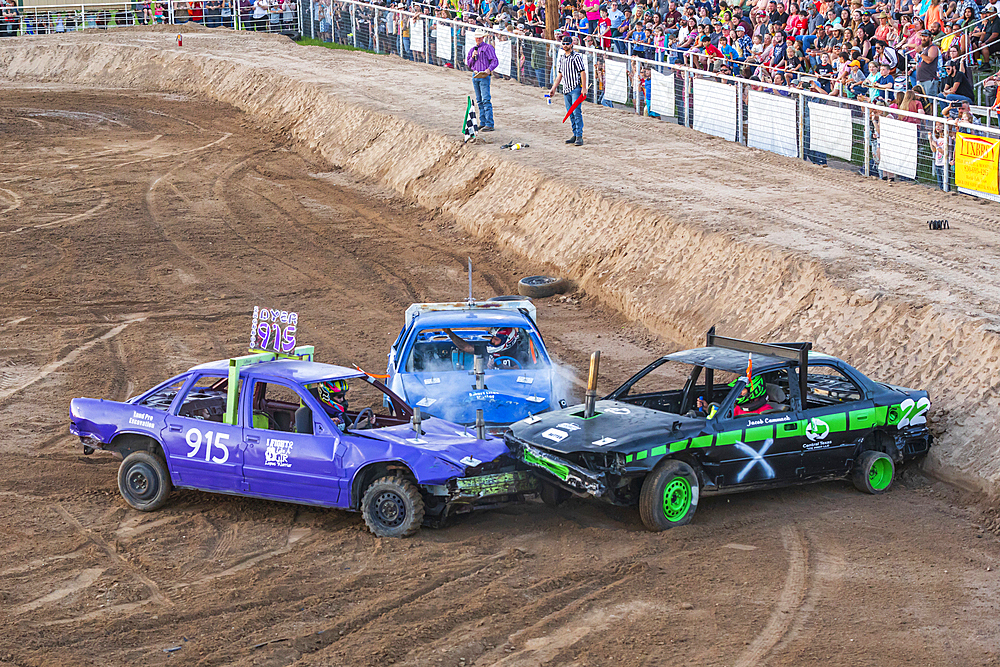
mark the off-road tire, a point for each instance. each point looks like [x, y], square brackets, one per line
[144, 481]
[873, 472]
[392, 507]
[669, 496]
[552, 495]
[539, 287]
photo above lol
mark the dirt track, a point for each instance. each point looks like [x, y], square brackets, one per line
[138, 231]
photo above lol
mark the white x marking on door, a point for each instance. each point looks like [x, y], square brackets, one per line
[756, 457]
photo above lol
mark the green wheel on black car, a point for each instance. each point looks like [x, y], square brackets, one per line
[873, 472]
[669, 496]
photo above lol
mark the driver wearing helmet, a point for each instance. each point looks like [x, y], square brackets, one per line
[752, 399]
[332, 396]
[502, 342]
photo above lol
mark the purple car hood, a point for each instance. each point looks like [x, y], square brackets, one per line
[444, 440]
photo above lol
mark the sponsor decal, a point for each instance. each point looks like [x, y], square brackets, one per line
[276, 453]
[618, 411]
[432, 380]
[525, 380]
[142, 419]
[555, 435]
[566, 426]
[817, 429]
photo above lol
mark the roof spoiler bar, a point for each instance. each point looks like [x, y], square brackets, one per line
[794, 351]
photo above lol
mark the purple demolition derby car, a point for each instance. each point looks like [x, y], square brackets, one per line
[276, 425]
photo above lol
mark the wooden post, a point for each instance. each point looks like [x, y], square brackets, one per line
[551, 18]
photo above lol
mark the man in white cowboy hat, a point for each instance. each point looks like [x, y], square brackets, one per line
[482, 60]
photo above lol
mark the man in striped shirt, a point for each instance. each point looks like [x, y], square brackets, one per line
[573, 75]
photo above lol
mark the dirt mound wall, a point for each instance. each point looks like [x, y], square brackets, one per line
[676, 279]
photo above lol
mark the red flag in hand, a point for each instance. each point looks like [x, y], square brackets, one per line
[580, 99]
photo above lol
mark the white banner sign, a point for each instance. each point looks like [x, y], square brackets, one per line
[417, 35]
[772, 124]
[444, 41]
[470, 43]
[503, 55]
[715, 109]
[830, 130]
[897, 147]
[662, 94]
[615, 81]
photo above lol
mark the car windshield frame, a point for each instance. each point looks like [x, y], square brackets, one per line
[543, 363]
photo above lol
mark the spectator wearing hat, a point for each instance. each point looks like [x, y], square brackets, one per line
[927, 59]
[573, 76]
[957, 85]
[482, 60]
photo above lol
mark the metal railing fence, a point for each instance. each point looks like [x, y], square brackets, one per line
[259, 15]
[873, 139]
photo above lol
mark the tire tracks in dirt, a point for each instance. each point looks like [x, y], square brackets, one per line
[788, 601]
[155, 594]
[51, 367]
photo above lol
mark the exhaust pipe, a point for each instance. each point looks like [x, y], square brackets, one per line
[416, 420]
[480, 424]
[479, 370]
[591, 400]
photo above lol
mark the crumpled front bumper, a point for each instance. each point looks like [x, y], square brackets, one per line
[573, 477]
[487, 487]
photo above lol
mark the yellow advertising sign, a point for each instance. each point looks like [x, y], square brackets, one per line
[976, 162]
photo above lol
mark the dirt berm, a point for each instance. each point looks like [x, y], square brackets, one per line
[677, 230]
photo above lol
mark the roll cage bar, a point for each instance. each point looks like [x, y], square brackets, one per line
[797, 352]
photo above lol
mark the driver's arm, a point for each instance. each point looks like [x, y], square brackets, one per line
[462, 345]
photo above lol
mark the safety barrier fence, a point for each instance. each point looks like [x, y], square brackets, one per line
[265, 16]
[941, 152]
[874, 140]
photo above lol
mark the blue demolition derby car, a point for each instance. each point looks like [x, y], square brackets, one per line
[432, 363]
[278, 426]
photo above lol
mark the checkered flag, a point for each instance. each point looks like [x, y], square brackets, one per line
[471, 124]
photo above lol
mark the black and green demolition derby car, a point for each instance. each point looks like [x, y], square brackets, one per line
[747, 416]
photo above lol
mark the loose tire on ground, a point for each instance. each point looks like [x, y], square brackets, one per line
[540, 287]
[392, 507]
[552, 495]
[873, 472]
[669, 496]
[144, 481]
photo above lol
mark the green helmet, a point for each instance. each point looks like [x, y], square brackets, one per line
[756, 390]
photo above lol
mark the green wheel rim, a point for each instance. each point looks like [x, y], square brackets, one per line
[880, 474]
[676, 499]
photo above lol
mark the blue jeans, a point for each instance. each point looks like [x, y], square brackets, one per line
[575, 118]
[406, 49]
[540, 76]
[482, 87]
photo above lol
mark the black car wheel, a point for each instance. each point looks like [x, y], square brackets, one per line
[144, 482]
[540, 287]
[392, 507]
[669, 496]
[552, 495]
[873, 472]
